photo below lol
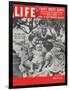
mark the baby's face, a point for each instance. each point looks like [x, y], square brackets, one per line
[38, 47]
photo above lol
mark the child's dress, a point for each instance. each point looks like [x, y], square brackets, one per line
[37, 57]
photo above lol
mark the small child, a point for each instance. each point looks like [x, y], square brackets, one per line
[37, 57]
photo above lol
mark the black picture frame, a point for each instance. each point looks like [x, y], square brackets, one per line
[11, 3]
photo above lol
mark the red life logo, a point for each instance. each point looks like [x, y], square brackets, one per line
[24, 11]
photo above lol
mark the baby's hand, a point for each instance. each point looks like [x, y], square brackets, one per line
[21, 68]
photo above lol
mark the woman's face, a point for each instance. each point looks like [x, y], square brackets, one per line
[35, 41]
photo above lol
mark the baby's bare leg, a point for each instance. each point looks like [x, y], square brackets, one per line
[31, 66]
[39, 67]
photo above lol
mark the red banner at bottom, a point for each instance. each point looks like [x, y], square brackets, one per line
[38, 80]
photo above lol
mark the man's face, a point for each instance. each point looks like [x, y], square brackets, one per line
[58, 32]
[44, 31]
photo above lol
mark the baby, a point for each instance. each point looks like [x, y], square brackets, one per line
[37, 57]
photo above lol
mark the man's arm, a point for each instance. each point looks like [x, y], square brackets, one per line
[47, 59]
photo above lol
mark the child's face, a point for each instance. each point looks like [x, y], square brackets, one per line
[35, 41]
[38, 47]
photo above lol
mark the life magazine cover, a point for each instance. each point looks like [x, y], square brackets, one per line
[38, 44]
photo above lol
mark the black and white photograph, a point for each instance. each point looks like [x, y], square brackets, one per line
[38, 47]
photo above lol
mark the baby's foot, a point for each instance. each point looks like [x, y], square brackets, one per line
[21, 68]
[31, 71]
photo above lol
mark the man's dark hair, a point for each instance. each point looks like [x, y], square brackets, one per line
[48, 45]
[31, 37]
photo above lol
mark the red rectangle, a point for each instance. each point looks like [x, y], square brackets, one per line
[51, 12]
[21, 11]
[38, 80]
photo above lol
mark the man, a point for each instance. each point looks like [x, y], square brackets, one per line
[54, 60]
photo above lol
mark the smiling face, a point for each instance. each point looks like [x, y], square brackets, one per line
[39, 47]
[35, 41]
[44, 31]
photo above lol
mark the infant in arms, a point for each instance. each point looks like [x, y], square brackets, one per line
[37, 56]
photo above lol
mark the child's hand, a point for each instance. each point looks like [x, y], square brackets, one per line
[21, 68]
